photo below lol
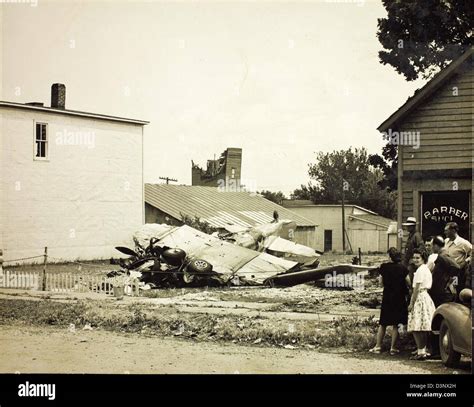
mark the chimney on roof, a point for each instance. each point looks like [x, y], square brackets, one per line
[58, 96]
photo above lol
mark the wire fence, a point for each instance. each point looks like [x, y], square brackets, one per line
[23, 258]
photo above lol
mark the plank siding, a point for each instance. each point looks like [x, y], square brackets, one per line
[440, 114]
[444, 123]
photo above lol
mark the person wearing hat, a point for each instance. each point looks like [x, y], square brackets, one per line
[414, 242]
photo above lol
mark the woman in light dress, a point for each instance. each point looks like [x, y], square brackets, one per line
[421, 308]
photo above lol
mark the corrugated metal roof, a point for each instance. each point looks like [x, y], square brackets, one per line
[217, 207]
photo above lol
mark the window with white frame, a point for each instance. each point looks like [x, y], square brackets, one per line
[41, 140]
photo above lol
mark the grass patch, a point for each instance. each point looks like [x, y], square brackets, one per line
[352, 333]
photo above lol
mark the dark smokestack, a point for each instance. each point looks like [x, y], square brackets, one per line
[58, 96]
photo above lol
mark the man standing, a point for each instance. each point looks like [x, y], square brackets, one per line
[414, 241]
[432, 255]
[459, 250]
[445, 274]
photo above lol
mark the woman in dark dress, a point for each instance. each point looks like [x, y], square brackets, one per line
[394, 302]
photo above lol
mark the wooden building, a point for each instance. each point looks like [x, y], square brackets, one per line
[433, 132]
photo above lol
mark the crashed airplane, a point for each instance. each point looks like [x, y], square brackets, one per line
[171, 256]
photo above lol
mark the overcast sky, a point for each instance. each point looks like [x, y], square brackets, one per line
[281, 80]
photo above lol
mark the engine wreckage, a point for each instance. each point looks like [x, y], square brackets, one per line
[169, 256]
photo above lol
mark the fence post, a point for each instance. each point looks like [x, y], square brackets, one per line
[44, 269]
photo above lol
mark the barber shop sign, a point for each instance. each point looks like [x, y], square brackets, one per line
[439, 208]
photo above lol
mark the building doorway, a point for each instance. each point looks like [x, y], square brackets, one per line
[328, 240]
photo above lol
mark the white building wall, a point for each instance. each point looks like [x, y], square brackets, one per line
[327, 218]
[367, 236]
[82, 201]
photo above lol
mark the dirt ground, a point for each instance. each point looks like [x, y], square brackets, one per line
[54, 350]
[32, 348]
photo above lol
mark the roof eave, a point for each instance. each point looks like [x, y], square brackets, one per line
[425, 91]
[369, 221]
[73, 113]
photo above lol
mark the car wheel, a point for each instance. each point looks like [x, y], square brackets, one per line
[199, 266]
[448, 355]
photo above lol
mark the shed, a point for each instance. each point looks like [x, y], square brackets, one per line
[365, 229]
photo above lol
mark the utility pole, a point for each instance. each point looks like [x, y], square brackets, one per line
[168, 179]
[343, 219]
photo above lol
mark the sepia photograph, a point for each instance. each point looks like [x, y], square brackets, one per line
[249, 193]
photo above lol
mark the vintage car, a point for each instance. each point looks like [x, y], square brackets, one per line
[452, 322]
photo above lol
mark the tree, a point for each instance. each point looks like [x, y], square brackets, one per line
[420, 37]
[352, 171]
[307, 192]
[276, 197]
[388, 164]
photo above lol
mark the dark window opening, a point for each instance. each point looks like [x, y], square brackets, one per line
[327, 240]
[41, 140]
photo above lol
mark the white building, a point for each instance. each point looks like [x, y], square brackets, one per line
[364, 229]
[69, 180]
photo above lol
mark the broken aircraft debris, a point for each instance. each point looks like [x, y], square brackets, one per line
[170, 256]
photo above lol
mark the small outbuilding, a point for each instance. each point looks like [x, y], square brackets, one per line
[365, 229]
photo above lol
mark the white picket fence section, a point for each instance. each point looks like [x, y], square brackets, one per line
[65, 282]
[19, 279]
[68, 282]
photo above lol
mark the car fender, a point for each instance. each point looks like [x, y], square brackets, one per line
[457, 317]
